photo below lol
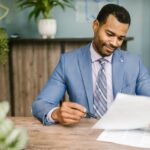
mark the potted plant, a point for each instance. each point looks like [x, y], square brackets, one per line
[47, 25]
[11, 138]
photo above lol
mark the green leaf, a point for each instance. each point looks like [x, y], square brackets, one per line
[3, 46]
[43, 6]
[4, 108]
[17, 139]
[6, 127]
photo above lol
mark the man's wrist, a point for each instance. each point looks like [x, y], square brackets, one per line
[49, 115]
[54, 114]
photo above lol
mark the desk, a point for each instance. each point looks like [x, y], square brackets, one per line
[57, 137]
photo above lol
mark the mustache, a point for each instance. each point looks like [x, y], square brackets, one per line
[111, 46]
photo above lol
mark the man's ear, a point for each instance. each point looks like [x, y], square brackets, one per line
[95, 26]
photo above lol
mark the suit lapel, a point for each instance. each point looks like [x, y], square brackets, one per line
[86, 72]
[117, 71]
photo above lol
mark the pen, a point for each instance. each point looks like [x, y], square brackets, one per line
[91, 115]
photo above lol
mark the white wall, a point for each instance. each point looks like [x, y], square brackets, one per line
[145, 37]
[135, 30]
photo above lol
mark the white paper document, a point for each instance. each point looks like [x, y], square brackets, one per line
[126, 112]
[127, 121]
[136, 138]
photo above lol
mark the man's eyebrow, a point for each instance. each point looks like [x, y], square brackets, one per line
[109, 31]
[123, 36]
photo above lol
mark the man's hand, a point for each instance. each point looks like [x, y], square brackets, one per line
[69, 113]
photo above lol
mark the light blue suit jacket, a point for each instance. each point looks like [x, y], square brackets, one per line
[74, 74]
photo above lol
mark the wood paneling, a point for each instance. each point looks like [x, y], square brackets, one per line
[73, 45]
[32, 65]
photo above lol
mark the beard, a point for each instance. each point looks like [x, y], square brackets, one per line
[103, 48]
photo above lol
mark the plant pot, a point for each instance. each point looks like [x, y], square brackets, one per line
[47, 28]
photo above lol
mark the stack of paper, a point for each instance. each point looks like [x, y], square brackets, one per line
[127, 121]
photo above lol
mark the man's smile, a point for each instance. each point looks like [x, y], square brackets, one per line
[109, 48]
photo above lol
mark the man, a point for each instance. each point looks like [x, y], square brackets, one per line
[93, 74]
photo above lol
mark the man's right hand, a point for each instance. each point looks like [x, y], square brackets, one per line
[69, 113]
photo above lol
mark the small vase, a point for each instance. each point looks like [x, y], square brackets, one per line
[47, 28]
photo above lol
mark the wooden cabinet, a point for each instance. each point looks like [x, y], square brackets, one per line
[31, 62]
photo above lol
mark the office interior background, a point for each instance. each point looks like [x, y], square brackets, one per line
[32, 59]
[71, 25]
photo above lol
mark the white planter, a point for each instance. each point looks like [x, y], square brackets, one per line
[47, 28]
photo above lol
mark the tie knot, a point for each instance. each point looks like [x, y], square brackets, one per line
[102, 61]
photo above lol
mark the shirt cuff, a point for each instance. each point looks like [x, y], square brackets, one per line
[49, 116]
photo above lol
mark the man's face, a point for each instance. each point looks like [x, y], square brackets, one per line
[108, 36]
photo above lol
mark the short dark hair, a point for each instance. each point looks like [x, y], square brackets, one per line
[119, 12]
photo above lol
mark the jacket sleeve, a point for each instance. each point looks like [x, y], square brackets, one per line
[143, 81]
[51, 94]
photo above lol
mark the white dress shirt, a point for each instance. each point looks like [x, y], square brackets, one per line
[108, 70]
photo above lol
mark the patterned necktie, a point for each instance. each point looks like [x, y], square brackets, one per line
[100, 94]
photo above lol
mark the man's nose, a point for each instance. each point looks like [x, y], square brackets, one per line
[115, 42]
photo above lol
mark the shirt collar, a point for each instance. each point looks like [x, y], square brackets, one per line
[95, 56]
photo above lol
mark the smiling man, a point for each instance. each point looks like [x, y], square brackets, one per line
[93, 75]
[109, 35]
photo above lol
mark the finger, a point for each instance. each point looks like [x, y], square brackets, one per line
[74, 106]
[71, 111]
[66, 115]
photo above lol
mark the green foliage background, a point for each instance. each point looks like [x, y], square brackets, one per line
[11, 137]
[3, 46]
